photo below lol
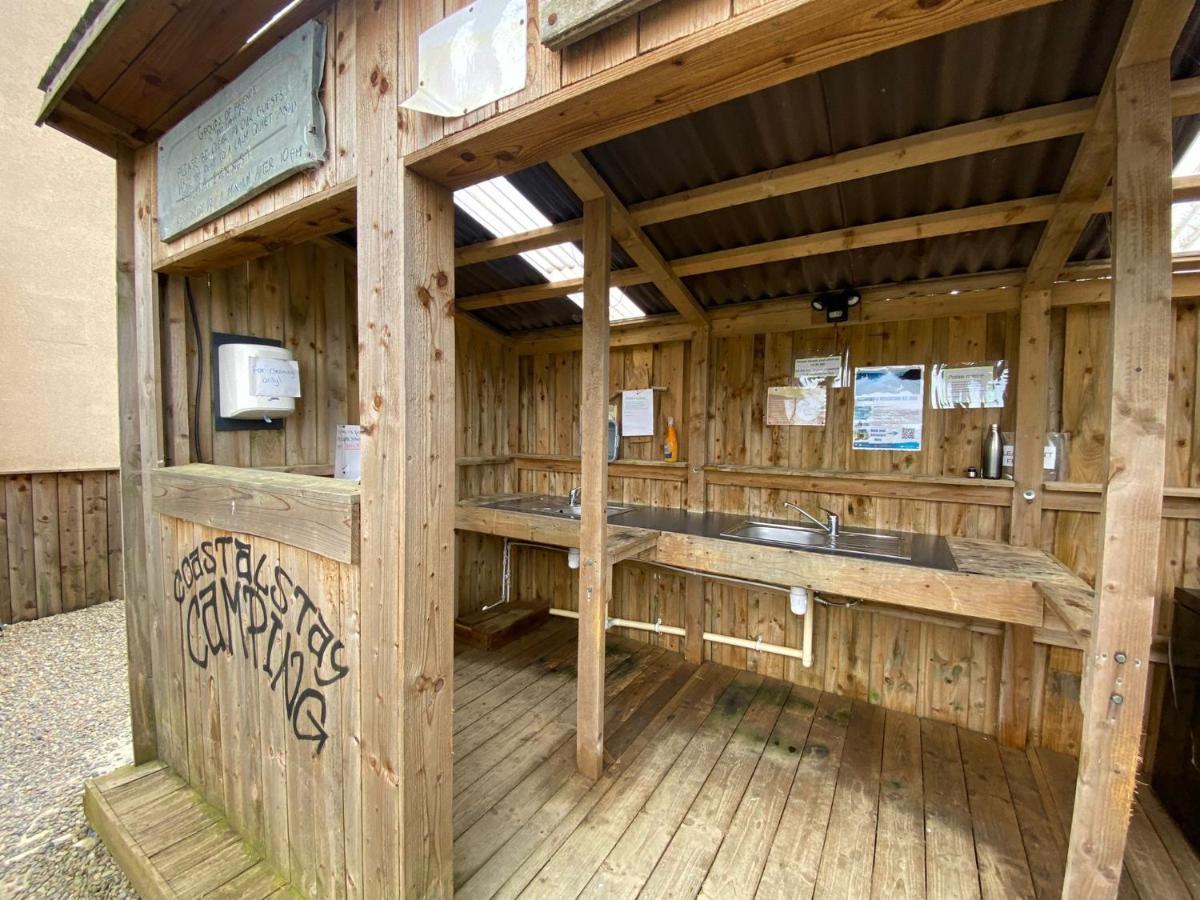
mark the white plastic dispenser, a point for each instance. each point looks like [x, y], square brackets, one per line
[257, 381]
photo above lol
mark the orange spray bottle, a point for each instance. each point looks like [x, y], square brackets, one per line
[671, 442]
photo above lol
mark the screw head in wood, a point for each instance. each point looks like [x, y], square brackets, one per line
[1120, 657]
[1117, 699]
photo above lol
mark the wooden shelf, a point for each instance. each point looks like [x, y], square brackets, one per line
[897, 485]
[1078, 496]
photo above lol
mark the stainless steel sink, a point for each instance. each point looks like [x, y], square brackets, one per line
[551, 506]
[897, 546]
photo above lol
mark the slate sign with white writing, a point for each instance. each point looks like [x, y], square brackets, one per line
[262, 127]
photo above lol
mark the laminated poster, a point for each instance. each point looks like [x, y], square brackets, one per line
[348, 453]
[888, 405]
[969, 385]
[796, 406]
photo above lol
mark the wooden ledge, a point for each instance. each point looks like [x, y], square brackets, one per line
[170, 843]
[1076, 496]
[306, 511]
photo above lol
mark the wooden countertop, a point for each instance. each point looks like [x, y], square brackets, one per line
[994, 581]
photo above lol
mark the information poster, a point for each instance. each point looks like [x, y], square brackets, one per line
[637, 413]
[888, 405]
[969, 385]
[796, 406]
[810, 371]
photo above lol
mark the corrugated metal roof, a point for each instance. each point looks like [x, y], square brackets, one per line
[1046, 55]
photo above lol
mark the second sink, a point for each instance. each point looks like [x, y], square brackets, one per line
[855, 543]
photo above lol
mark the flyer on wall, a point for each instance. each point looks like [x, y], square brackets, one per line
[888, 406]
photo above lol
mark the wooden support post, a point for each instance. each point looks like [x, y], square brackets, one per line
[406, 393]
[1033, 365]
[595, 574]
[1118, 663]
[135, 286]
[693, 642]
[1033, 382]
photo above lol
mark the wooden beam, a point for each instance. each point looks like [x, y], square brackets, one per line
[1151, 32]
[582, 177]
[1117, 673]
[315, 513]
[501, 247]
[406, 329]
[619, 278]
[665, 274]
[761, 47]
[1027, 126]
[1041, 123]
[595, 571]
[699, 355]
[136, 457]
[1033, 364]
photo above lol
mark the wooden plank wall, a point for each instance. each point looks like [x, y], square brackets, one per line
[259, 647]
[485, 378]
[304, 296]
[338, 100]
[60, 542]
[916, 665]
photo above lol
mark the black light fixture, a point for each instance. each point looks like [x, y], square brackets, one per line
[836, 304]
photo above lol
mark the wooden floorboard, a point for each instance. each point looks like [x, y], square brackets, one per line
[718, 783]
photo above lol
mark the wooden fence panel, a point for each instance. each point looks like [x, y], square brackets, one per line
[60, 542]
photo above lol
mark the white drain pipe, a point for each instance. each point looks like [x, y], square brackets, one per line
[804, 654]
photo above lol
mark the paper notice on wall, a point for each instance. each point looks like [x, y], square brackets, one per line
[637, 413]
[889, 402]
[273, 377]
[810, 371]
[969, 385]
[796, 406]
[347, 461]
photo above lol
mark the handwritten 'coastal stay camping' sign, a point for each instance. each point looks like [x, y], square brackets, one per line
[262, 127]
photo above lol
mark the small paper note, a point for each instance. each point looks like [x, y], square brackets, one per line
[810, 371]
[273, 377]
[347, 462]
[637, 413]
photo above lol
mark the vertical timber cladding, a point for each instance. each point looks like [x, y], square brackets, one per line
[263, 648]
[261, 128]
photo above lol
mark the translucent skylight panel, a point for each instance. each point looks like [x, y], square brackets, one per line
[503, 210]
[1185, 217]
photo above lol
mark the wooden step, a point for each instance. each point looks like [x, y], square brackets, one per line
[493, 628]
[170, 843]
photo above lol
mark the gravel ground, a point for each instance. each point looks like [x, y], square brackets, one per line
[64, 717]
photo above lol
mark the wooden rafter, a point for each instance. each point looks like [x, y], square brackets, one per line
[1150, 33]
[1024, 127]
[582, 177]
[666, 274]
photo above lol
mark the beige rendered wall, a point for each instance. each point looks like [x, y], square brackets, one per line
[58, 353]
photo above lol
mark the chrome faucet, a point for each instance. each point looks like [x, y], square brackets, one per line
[575, 497]
[831, 528]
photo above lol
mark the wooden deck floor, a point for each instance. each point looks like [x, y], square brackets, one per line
[728, 784]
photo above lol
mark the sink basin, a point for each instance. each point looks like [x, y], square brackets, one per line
[849, 541]
[552, 506]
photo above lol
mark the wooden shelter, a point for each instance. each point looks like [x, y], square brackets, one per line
[688, 711]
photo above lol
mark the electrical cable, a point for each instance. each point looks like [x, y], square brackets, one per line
[191, 304]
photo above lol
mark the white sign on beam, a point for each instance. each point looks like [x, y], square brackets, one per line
[259, 129]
